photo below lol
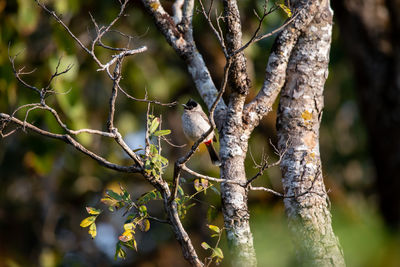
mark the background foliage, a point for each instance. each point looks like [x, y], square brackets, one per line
[45, 185]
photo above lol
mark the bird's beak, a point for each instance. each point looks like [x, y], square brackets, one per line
[184, 106]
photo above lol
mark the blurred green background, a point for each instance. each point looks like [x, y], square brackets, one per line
[45, 184]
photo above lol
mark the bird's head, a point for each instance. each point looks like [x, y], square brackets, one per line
[191, 104]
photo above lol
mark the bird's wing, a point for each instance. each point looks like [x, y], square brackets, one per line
[204, 116]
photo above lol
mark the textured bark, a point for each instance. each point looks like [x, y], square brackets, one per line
[181, 40]
[275, 72]
[234, 197]
[299, 116]
[370, 31]
[238, 77]
[234, 147]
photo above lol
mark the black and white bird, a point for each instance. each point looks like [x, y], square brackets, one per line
[195, 123]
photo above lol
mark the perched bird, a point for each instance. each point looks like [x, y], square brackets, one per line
[194, 124]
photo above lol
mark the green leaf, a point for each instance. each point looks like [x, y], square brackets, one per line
[197, 185]
[163, 160]
[205, 245]
[180, 191]
[154, 125]
[93, 211]
[143, 210]
[212, 213]
[151, 195]
[113, 195]
[88, 221]
[119, 252]
[214, 228]
[153, 150]
[162, 132]
[215, 190]
[217, 252]
[189, 206]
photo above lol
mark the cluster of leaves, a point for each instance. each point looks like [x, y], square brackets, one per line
[155, 163]
[139, 218]
[127, 239]
[91, 221]
[216, 252]
[183, 200]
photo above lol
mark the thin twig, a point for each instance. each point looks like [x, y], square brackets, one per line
[69, 140]
[256, 38]
[217, 33]
[209, 178]
[145, 100]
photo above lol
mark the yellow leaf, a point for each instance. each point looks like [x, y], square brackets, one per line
[214, 228]
[144, 225]
[108, 201]
[126, 236]
[217, 252]
[93, 211]
[134, 244]
[286, 10]
[205, 245]
[197, 185]
[129, 226]
[88, 221]
[93, 230]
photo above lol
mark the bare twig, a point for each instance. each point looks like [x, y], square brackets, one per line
[217, 33]
[114, 94]
[209, 178]
[56, 73]
[170, 143]
[121, 55]
[255, 38]
[147, 139]
[265, 165]
[158, 220]
[145, 100]
[69, 140]
[18, 73]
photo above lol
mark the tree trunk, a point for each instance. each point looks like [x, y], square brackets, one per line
[370, 32]
[233, 151]
[299, 116]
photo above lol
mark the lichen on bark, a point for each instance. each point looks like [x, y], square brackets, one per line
[299, 115]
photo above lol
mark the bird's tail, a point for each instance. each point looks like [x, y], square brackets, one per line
[213, 154]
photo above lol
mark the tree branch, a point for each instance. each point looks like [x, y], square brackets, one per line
[5, 119]
[277, 63]
[182, 42]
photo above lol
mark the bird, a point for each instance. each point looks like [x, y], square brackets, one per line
[195, 123]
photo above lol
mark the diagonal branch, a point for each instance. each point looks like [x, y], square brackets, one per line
[277, 63]
[5, 118]
[181, 40]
